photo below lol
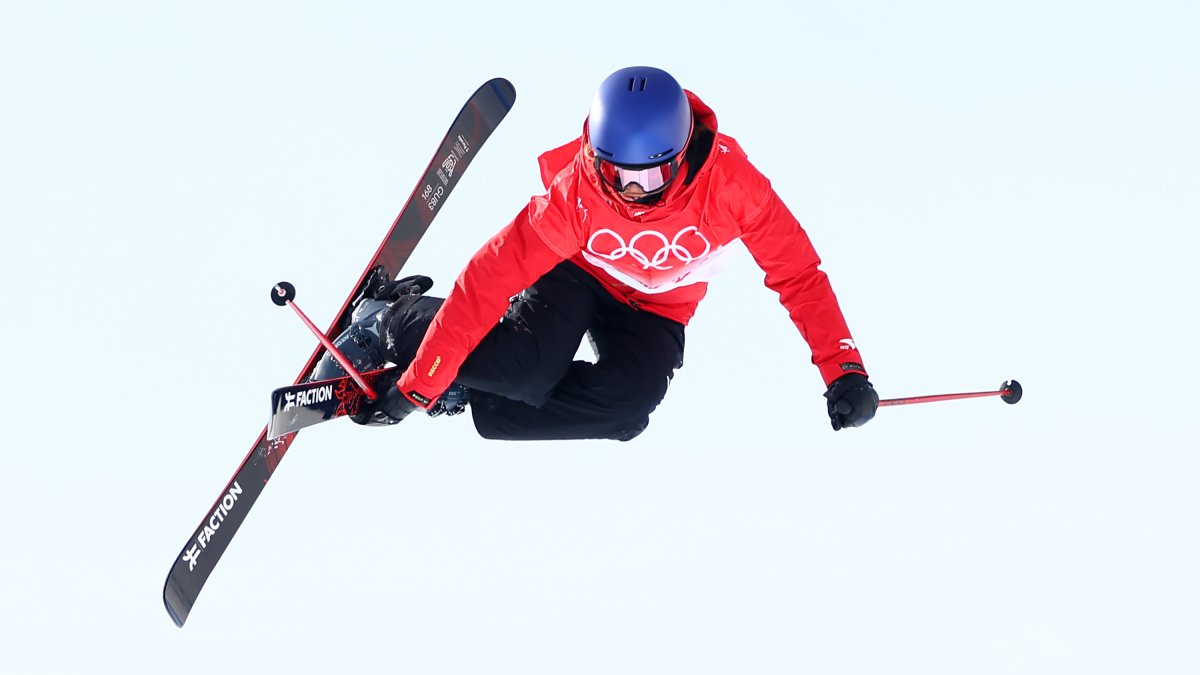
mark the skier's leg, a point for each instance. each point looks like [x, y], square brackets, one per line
[526, 355]
[638, 353]
[523, 379]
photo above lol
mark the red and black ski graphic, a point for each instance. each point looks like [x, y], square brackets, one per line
[477, 120]
[303, 405]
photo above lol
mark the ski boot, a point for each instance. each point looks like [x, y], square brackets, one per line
[365, 343]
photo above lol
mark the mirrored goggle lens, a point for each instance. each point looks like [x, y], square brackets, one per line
[650, 179]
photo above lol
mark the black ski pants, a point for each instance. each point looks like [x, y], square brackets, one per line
[525, 382]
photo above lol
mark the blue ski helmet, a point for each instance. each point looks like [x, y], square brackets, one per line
[640, 117]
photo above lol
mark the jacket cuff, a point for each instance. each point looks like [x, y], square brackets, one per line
[409, 390]
[832, 371]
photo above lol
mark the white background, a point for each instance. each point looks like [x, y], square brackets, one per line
[1004, 191]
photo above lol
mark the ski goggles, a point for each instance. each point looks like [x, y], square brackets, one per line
[650, 178]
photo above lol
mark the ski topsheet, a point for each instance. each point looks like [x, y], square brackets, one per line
[474, 124]
[307, 403]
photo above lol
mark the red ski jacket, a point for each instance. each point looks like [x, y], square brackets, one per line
[654, 258]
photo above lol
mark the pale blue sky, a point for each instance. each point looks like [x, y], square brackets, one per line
[998, 191]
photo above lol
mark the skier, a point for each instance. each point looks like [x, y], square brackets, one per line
[637, 212]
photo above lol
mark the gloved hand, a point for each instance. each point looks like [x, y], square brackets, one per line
[391, 407]
[851, 401]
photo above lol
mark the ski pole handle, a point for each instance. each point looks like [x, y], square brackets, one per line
[284, 293]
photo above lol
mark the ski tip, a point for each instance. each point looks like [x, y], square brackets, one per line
[1012, 392]
[179, 608]
[504, 90]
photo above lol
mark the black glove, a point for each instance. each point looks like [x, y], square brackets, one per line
[851, 401]
[391, 407]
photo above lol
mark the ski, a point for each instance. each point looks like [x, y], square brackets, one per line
[307, 403]
[475, 123]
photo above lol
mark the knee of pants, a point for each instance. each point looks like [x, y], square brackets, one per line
[632, 430]
[642, 392]
[649, 404]
[636, 402]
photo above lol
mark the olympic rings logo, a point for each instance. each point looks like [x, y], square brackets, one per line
[668, 248]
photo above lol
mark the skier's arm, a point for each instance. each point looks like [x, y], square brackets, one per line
[508, 263]
[781, 247]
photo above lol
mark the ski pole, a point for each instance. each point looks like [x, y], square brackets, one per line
[1009, 392]
[284, 293]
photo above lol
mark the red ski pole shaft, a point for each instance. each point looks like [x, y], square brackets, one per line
[283, 294]
[1009, 392]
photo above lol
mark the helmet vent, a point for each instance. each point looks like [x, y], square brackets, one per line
[637, 84]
